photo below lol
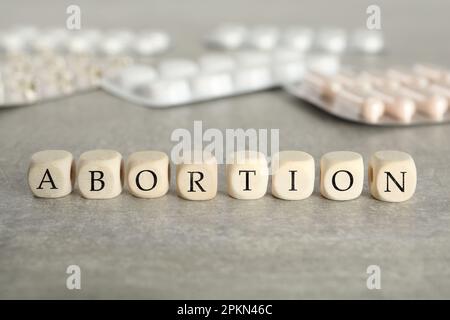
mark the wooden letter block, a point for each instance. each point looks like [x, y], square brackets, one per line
[292, 175]
[341, 175]
[100, 174]
[51, 173]
[392, 176]
[247, 175]
[196, 176]
[147, 174]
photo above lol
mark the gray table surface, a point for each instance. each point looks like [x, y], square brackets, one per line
[225, 248]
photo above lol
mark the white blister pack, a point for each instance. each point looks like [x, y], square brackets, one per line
[29, 39]
[391, 97]
[41, 64]
[303, 39]
[29, 78]
[174, 82]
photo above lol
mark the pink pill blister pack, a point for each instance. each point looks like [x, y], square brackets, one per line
[392, 97]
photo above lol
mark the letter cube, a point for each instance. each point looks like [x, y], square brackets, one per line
[100, 174]
[196, 176]
[341, 175]
[247, 175]
[148, 174]
[392, 176]
[51, 173]
[292, 175]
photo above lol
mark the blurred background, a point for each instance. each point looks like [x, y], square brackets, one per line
[413, 29]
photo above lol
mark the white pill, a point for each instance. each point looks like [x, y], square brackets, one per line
[252, 58]
[263, 37]
[150, 43]
[216, 63]
[12, 43]
[253, 70]
[288, 65]
[177, 68]
[367, 41]
[49, 40]
[83, 41]
[229, 36]
[286, 55]
[26, 32]
[115, 42]
[323, 63]
[252, 78]
[166, 92]
[135, 75]
[212, 85]
[332, 40]
[298, 38]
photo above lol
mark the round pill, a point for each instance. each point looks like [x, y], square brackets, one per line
[133, 76]
[323, 63]
[216, 63]
[298, 38]
[252, 58]
[212, 85]
[115, 42]
[177, 68]
[165, 92]
[367, 41]
[150, 43]
[12, 43]
[252, 78]
[263, 37]
[83, 41]
[49, 40]
[229, 36]
[332, 40]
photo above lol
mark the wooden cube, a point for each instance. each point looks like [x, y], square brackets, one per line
[51, 173]
[292, 175]
[392, 176]
[148, 174]
[100, 174]
[247, 175]
[341, 175]
[196, 176]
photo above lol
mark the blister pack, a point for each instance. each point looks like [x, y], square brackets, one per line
[395, 96]
[29, 78]
[41, 64]
[29, 39]
[303, 39]
[174, 82]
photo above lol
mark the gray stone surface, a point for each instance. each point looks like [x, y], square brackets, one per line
[224, 248]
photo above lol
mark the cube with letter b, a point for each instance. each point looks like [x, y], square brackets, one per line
[100, 174]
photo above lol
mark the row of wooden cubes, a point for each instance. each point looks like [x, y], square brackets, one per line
[100, 174]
